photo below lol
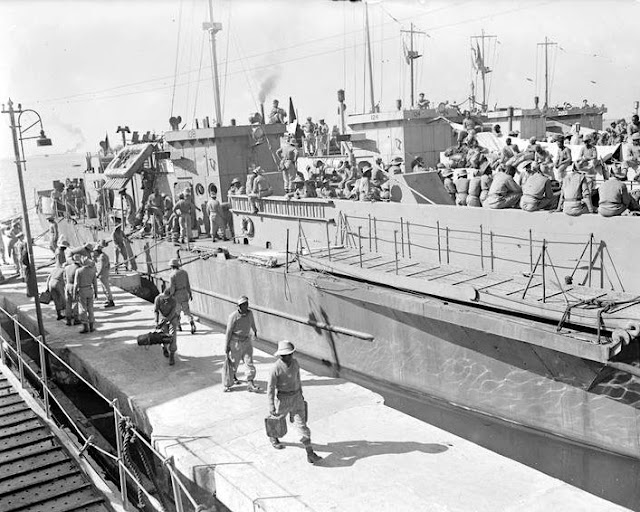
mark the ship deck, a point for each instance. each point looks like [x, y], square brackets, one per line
[593, 310]
[390, 461]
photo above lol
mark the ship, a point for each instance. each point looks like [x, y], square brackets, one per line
[532, 318]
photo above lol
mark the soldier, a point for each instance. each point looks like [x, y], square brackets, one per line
[2, 248]
[123, 248]
[284, 392]
[181, 292]
[309, 129]
[55, 285]
[167, 319]
[71, 310]
[322, 138]
[563, 160]
[59, 256]
[422, 102]
[614, 195]
[155, 210]
[103, 265]
[216, 217]
[277, 114]
[288, 157]
[238, 343]
[85, 289]
[237, 188]
[183, 209]
[53, 234]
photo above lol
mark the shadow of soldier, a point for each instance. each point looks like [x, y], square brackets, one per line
[347, 453]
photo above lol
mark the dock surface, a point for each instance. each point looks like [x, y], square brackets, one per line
[375, 458]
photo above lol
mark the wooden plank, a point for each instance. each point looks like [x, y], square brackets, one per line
[512, 292]
[381, 264]
[494, 284]
[424, 270]
[364, 260]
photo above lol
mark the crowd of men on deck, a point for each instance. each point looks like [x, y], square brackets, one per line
[531, 179]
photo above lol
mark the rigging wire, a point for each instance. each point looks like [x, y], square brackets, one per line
[190, 59]
[175, 72]
[195, 101]
[226, 61]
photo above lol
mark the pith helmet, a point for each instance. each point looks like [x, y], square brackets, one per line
[285, 348]
[174, 263]
[243, 300]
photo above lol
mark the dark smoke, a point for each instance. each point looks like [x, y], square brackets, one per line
[267, 85]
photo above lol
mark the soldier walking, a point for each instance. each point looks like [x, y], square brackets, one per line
[71, 310]
[284, 392]
[181, 292]
[238, 346]
[85, 288]
[55, 285]
[103, 265]
[167, 319]
[53, 234]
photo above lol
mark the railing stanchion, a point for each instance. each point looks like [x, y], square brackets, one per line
[601, 264]
[375, 232]
[590, 256]
[369, 215]
[402, 235]
[177, 495]
[481, 248]
[326, 224]
[16, 330]
[360, 244]
[408, 240]
[286, 257]
[447, 242]
[491, 248]
[439, 251]
[544, 280]
[121, 470]
[43, 373]
[530, 251]
[395, 245]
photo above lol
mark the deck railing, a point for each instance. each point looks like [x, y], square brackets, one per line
[307, 209]
[40, 378]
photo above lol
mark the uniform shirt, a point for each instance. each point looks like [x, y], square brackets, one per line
[283, 378]
[60, 256]
[180, 287]
[563, 156]
[537, 187]
[184, 206]
[575, 190]
[118, 236]
[102, 265]
[614, 196]
[240, 325]
[85, 284]
[53, 232]
[260, 185]
[502, 185]
[70, 273]
[214, 207]
[475, 186]
[165, 308]
[56, 278]
[588, 153]
[450, 187]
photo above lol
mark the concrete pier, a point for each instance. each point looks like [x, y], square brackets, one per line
[375, 458]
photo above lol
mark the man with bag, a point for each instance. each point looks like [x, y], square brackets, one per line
[181, 292]
[238, 346]
[85, 288]
[165, 308]
[284, 391]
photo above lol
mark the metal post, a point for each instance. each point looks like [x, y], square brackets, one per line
[601, 264]
[439, 252]
[544, 282]
[481, 248]
[447, 242]
[369, 215]
[590, 256]
[530, 251]
[177, 495]
[402, 235]
[360, 244]
[286, 264]
[395, 245]
[328, 240]
[375, 232]
[16, 330]
[408, 240]
[3, 356]
[45, 380]
[121, 467]
[491, 248]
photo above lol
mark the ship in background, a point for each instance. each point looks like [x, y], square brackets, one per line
[529, 317]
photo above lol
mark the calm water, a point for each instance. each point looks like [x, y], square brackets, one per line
[40, 174]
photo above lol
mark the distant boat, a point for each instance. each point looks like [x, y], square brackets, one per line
[76, 165]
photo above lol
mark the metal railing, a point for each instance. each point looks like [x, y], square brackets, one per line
[179, 491]
[310, 209]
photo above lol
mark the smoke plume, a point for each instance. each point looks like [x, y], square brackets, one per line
[267, 85]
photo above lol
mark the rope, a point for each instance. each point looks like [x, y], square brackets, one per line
[126, 428]
[175, 71]
[195, 101]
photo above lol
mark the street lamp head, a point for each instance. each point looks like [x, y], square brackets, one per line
[43, 140]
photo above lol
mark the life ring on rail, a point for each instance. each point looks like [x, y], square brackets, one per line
[621, 336]
[633, 328]
[246, 225]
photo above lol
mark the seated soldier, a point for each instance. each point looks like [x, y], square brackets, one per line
[575, 195]
[462, 188]
[475, 189]
[536, 191]
[298, 189]
[504, 191]
[614, 196]
[447, 182]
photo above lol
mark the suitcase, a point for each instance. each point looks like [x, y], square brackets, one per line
[275, 427]
[153, 338]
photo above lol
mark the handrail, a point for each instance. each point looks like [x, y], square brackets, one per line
[178, 487]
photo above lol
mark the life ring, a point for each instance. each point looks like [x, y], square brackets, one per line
[247, 227]
[621, 336]
[633, 328]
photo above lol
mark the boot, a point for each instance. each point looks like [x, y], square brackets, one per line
[60, 316]
[68, 321]
[172, 359]
[312, 457]
[91, 327]
[85, 328]
[275, 442]
[165, 352]
[252, 388]
[179, 327]
[193, 327]
[76, 322]
[109, 304]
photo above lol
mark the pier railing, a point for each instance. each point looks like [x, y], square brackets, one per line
[37, 376]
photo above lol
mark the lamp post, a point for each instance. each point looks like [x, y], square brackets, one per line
[18, 149]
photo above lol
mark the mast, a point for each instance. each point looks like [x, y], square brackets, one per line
[368, 42]
[480, 64]
[546, 45]
[411, 55]
[213, 28]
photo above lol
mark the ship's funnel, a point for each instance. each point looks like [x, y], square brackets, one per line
[264, 119]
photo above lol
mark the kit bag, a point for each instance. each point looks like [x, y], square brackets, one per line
[275, 427]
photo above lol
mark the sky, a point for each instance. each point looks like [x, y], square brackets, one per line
[89, 66]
